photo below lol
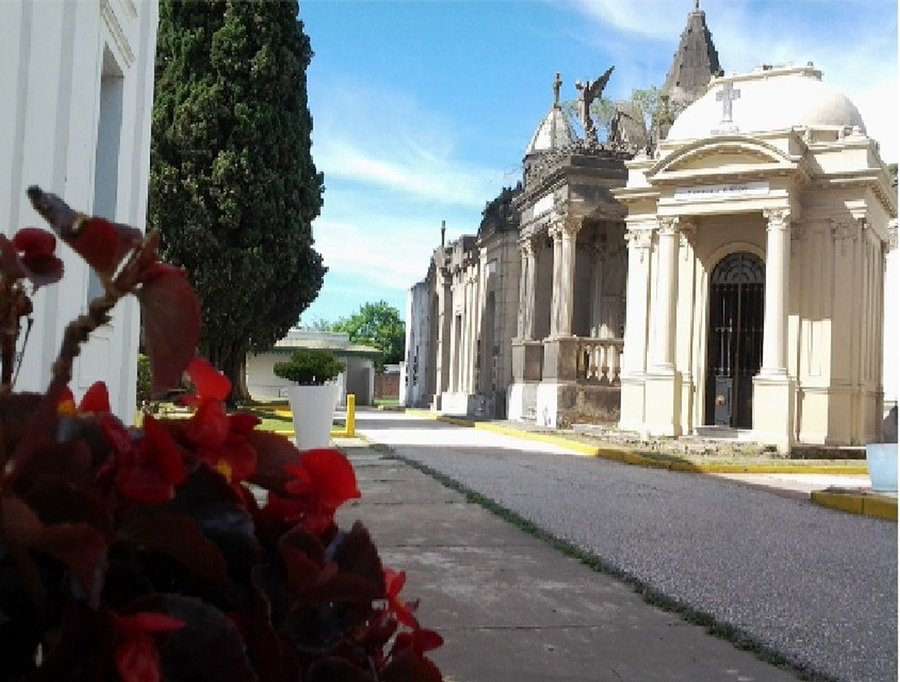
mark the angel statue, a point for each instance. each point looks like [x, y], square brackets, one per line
[587, 93]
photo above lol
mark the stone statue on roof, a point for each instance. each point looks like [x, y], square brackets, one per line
[587, 93]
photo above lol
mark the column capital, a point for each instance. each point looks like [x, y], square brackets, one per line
[526, 246]
[892, 236]
[845, 229]
[778, 218]
[639, 239]
[668, 225]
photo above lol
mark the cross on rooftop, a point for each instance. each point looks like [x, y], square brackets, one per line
[726, 96]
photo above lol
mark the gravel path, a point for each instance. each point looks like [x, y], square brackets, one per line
[817, 586]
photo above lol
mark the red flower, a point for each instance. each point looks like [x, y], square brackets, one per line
[220, 439]
[94, 401]
[147, 470]
[324, 479]
[30, 255]
[137, 658]
[403, 612]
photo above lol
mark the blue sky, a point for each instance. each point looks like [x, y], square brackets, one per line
[422, 109]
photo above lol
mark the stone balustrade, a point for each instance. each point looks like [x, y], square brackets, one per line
[599, 360]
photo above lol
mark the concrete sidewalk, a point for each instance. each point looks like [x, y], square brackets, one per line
[510, 607]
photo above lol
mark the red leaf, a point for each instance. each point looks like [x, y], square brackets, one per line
[82, 549]
[19, 525]
[273, 452]
[41, 269]
[96, 399]
[209, 425]
[102, 243]
[165, 453]
[171, 325]
[147, 622]
[33, 240]
[210, 382]
[333, 478]
[137, 660]
[242, 423]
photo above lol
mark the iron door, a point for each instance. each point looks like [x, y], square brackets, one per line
[734, 346]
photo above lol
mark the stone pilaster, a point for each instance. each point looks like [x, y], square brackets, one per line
[566, 293]
[663, 358]
[634, 353]
[663, 383]
[778, 262]
[773, 389]
[555, 233]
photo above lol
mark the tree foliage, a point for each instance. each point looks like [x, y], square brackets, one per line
[377, 324]
[233, 186]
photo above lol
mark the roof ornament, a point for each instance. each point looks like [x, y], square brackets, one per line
[587, 93]
[557, 82]
[696, 5]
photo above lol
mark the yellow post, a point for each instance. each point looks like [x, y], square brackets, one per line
[351, 415]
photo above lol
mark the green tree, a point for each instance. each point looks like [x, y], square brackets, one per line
[377, 324]
[233, 187]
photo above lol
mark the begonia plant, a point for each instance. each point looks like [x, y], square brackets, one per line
[188, 549]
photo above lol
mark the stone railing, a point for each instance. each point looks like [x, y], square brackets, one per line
[599, 360]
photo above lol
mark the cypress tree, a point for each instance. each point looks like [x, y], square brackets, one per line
[233, 186]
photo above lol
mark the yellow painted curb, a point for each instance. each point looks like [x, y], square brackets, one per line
[630, 457]
[868, 505]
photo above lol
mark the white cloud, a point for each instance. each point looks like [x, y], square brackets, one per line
[387, 140]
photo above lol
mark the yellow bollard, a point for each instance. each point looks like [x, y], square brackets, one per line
[351, 415]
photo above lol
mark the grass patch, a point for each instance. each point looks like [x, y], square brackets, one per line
[650, 595]
[387, 402]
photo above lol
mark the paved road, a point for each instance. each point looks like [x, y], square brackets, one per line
[815, 585]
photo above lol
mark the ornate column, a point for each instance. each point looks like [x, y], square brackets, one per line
[523, 288]
[555, 232]
[635, 348]
[634, 351]
[663, 358]
[778, 260]
[773, 389]
[566, 292]
[530, 280]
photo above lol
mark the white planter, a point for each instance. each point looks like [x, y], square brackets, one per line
[881, 458]
[313, 411]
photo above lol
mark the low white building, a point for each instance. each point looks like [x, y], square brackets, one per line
[78, 87]
[358, 376]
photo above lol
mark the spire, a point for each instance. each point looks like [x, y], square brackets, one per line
[695, 63]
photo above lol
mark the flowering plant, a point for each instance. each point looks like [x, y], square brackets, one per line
[192, 549]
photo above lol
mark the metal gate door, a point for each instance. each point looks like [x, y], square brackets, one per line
[734, 345]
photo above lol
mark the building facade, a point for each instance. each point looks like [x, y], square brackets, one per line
[726, 280]
[78, 77]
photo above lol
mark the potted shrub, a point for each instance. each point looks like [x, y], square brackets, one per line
[143, 555]
[313, 396]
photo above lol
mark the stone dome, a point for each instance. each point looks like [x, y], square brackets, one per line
[554, 132]
[768, 98]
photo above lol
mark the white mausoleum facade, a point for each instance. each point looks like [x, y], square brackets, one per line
[757, 241]
[78, 83]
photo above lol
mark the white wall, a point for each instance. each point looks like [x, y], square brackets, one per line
[78, 76]
[891, 336]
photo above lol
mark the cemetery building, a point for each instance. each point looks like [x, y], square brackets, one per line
[721, 272]
[78, 78]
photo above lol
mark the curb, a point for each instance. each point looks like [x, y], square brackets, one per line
[874, 505]
[630, 457]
